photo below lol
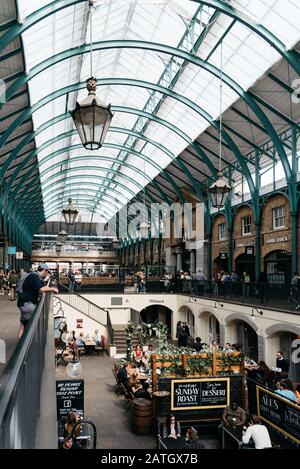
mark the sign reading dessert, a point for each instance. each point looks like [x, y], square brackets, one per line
[279, 413]
[206, 393]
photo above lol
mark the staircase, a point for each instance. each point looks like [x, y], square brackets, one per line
[120, 339]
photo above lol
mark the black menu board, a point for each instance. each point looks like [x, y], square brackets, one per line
[206, 393]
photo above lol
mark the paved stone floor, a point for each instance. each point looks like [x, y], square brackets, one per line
[9, 326]
[106, 410]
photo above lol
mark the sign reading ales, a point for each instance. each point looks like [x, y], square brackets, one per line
[279, 413]
[206, 393]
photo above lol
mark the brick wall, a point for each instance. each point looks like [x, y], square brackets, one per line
[217, 245]
[267, 231]
[237, 236]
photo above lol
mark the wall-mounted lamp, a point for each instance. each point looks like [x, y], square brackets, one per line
[253, 317]
[192, 299]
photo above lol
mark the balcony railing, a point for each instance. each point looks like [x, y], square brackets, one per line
[20, 383]
[270, 295]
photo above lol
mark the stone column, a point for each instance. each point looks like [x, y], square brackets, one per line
[193, 261]
[179, 261]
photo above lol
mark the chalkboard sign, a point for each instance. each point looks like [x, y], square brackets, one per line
[206, 393]
[281, 414]
[70, 397]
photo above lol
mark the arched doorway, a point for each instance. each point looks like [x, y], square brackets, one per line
[220, 263]
[245, 263]
[209, 328]
[278, 267]
[187, 315]
[284, 341]
[241, 333]
[161, 313]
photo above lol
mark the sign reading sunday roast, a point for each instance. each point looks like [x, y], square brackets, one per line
[206, 393]
[280, 413]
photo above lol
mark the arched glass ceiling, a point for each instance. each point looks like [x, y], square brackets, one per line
[195, 27]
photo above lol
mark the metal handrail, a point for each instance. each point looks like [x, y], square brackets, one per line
[15, 380]
[110, 330]
[85, 306]
[60, 285]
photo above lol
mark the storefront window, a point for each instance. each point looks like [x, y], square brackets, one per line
[222, 231]
[246, 225]
[278, 217]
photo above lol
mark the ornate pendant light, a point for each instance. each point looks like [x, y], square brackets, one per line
[220, 190]
[91, 117]
[70, 213]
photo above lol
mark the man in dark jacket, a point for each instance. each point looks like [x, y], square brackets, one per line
[31, 289]
[283, 364]
[198, 345]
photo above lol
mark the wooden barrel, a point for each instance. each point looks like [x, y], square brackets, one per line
[141, 416]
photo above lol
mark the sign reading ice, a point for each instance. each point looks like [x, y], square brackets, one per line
[206, 393]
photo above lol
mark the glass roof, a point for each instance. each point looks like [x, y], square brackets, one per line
[188, 100]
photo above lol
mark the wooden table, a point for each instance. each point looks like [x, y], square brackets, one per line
[160, 395]
[142, 377]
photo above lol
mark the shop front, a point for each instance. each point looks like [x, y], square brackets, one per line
[246, 263]
[278, 267]
[221, 262]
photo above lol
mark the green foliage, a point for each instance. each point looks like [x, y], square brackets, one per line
[197, 365]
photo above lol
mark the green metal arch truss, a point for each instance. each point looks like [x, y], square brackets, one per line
[94, 177]
[219, 5]
[103, 45]
[92, 168]
[108, 158]
[143, 84]
[195, 183]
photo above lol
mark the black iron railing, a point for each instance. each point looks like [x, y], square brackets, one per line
[277, 296]
[135, 316]
[284, 297]
[20, 383]
[110, 330]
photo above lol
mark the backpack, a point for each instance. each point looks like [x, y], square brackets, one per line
[19, 287]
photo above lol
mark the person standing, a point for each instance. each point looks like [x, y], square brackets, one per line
[29, 292]
[1, 282]
[200, 282]
[295, 291]
[246, 284]
[78, 280]
[282, 364]
[12, 282]
[71, 278]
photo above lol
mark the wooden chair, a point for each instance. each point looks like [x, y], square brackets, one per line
[129, 396]
[117, 388]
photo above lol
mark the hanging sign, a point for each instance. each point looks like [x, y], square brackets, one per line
[223, 254]
[207, 393]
